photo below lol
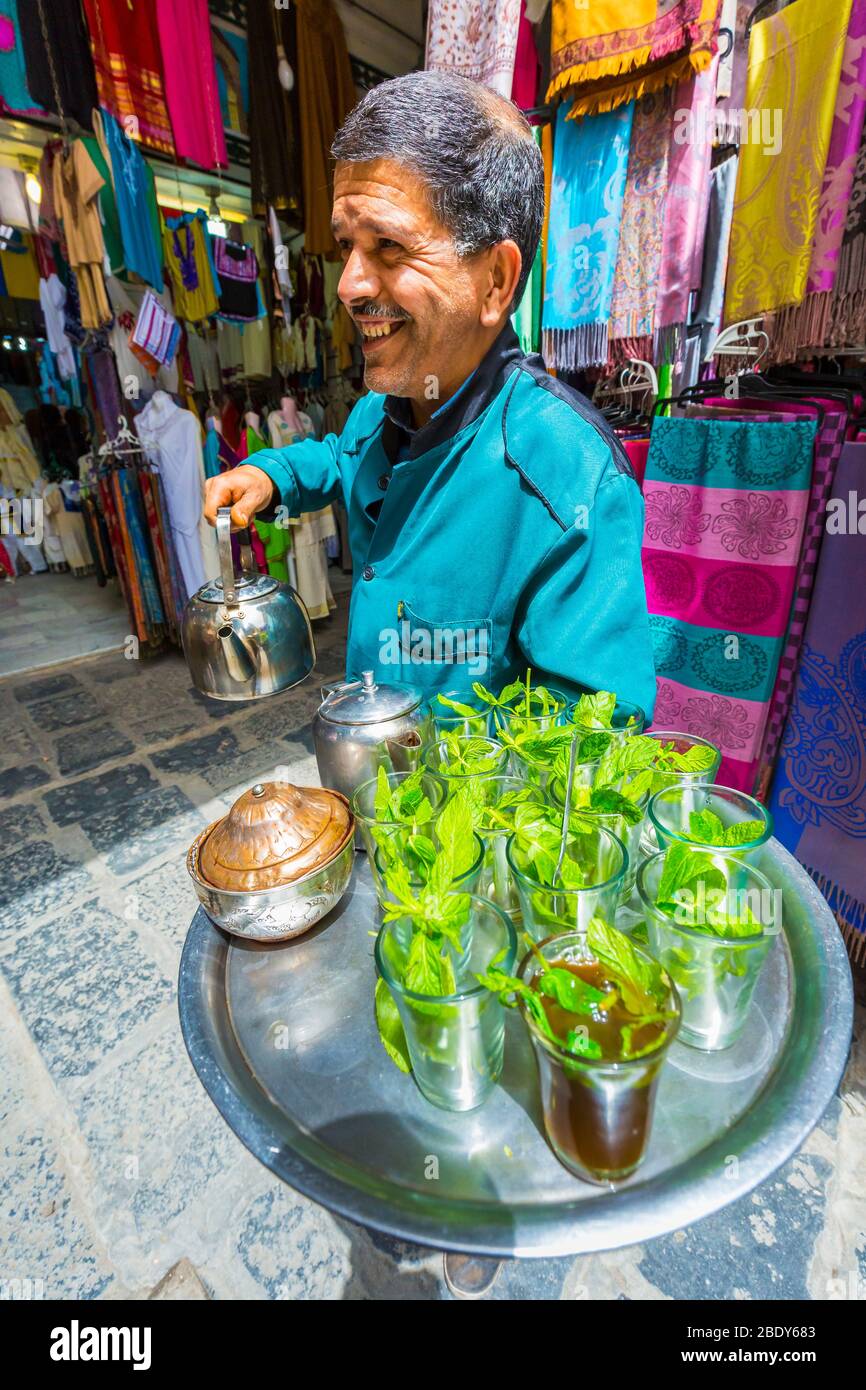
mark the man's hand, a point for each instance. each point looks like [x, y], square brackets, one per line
[246, 490]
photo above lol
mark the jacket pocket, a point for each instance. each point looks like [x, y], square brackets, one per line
[445, 641]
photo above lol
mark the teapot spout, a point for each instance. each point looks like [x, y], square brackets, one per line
[239, 663]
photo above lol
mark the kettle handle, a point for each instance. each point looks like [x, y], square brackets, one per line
[227, 566]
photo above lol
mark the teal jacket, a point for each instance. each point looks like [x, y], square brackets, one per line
[504, 533]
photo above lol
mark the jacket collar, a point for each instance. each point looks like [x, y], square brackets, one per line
[465, 406]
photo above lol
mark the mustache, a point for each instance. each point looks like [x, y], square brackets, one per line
[380, 311]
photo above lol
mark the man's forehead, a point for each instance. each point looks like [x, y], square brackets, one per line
[379, 193]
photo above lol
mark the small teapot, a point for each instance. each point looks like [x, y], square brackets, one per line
[363, 725]
[249, 636]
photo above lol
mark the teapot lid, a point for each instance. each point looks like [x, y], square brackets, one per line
[275, 833]
[366, 702]
[248, 587]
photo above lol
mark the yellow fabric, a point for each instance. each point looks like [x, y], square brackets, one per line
[608, 52]
[19, 467]
[77, 181]
[199, 303]
[795, 58]
[20, 272]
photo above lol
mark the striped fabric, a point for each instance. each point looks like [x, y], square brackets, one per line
[726, 505]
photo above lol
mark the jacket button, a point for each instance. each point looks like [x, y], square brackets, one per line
[383, 482]
[367, 572]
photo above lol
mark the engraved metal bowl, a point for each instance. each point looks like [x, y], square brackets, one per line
[274, 914]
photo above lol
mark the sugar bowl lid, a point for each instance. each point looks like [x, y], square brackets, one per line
[274, 834]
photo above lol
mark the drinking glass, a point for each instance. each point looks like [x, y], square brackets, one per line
[627, 720]
[375, 832]
[597, 1113]
[486, 755]
[465, 882]
[715, 975]
[446, 721]
[629, 833]
[603, 860]
[456, 1043]
[682, 743]
[669, 812]
[497, 881]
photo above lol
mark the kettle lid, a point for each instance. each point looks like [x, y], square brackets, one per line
[367, 702]
[248, 588]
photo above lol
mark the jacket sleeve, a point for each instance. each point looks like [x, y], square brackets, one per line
[306, 475]
[583, 618]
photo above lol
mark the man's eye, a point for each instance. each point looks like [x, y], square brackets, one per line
[385, 244]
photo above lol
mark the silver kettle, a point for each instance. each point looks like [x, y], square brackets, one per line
[248, 636]
[361, 726]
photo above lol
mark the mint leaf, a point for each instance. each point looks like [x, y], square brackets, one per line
[595, 711]
[569, 990]
[484, 695]
[454, 831]
[706, 828]
[382, 799]
[467, 711]
[388, 1022]
[424, 967]
[582, 1045]
[682, 866]
[611, 802]
[639, 981]
[593, 747]
[743, 832]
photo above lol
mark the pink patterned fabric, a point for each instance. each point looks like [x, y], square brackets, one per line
[475, 38]
[190, 81]
[687, 197]
[842, 155]
[524, 87]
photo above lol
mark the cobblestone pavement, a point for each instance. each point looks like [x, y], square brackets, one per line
[115, 1164]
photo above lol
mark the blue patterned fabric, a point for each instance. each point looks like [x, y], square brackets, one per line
[590, 158]
[818, 798]
[133, 508]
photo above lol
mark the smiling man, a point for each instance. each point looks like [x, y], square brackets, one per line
[493, 517]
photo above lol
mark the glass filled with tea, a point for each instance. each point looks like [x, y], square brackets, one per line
[602, 1014]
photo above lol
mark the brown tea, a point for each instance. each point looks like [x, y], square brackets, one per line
[598, 1119]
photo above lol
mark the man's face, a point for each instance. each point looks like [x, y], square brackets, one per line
[416, 303]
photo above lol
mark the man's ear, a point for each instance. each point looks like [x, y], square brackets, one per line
[503, 273]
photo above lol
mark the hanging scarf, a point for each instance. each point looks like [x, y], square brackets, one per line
[819, 794]
[708, 311]
[829, 439]
[478, 41]
[725, 509]
[794, 62]
[639, 257]
[685, 209]
[589, 170]
[604, 55]
[808, 323]
[847, 317]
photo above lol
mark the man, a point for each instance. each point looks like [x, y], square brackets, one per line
[494, 520]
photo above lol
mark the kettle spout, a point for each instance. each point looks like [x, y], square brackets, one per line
[239, 663]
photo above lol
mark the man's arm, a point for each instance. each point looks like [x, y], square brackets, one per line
[583, 617]
[303, 477]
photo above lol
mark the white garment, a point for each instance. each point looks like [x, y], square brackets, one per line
[52, 297]
[171, 438]
[51, 542]
[135, 380]
[310, 530]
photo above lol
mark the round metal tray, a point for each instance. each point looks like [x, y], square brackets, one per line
[284, 1040]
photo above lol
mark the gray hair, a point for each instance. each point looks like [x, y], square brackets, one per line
[473, 149]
